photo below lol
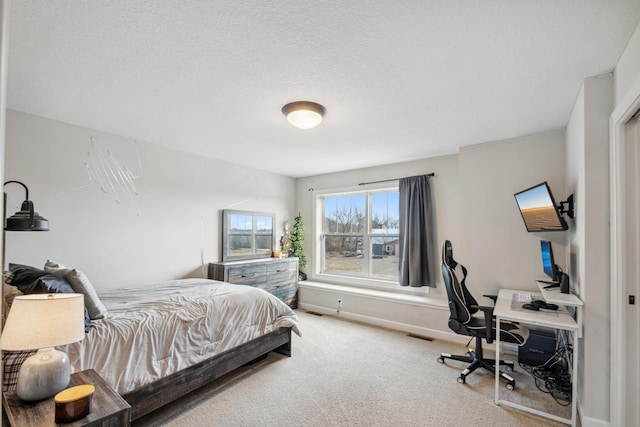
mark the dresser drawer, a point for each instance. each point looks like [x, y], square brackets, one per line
[247, 275]
[282, 272]
[276, 276]
[284, 291]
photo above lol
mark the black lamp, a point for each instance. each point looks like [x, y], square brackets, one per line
[27, 219]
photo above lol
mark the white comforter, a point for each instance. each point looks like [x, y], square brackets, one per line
[154, 331]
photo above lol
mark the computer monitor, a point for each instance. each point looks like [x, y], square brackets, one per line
[548, 264]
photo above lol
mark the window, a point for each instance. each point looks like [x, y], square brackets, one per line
[359, 234]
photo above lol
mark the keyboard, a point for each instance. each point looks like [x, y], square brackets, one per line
[522, 296]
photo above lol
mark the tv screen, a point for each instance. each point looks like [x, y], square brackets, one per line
[538, 209]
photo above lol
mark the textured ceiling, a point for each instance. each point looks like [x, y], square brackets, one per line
[401, 80]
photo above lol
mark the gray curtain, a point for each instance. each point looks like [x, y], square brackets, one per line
[417, 233]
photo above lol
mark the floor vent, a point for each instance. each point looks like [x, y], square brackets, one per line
[315, 313]
[420, 337]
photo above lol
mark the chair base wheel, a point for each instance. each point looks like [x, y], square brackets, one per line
[462, 379]
[440, 359]
[510, 386]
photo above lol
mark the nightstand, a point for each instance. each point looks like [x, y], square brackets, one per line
[109, 409]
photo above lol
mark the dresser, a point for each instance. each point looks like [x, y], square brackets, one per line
[278, 276]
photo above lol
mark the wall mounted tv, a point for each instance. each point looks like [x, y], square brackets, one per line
[538, 209]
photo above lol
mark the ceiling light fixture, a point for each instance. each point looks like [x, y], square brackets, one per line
[304, 114]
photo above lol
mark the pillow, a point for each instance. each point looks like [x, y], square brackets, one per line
[11, 363]
[30, 280]
[80, 284]
[9, 293]
[23, 277]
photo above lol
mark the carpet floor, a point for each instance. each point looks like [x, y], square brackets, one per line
[345, 373]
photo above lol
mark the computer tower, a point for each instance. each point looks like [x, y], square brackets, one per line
[538, 349]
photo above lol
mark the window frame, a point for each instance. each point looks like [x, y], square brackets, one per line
[366, 281]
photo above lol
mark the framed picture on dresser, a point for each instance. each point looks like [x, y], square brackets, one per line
[247, 234]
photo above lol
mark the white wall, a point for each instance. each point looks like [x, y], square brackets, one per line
[494, 241]
[475, 209]
[417, 315]
[626, 93]
[4, 34]
[179, 200]
[628, 67]
[588, 258]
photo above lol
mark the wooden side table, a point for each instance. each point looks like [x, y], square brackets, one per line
[109, 409]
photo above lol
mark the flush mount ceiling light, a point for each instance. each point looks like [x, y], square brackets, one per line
[304, 114]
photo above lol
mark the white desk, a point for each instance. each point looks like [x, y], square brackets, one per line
[554, 296]
[564, 320]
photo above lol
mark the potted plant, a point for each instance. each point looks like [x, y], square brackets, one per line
[296, 246]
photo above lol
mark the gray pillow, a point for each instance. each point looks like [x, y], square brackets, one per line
[80, 284]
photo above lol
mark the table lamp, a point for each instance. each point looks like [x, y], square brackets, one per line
[43, 321]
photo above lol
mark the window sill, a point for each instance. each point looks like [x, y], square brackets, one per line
[369, 284]
[422, 299]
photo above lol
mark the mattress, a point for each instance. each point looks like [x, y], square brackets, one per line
[154, 331]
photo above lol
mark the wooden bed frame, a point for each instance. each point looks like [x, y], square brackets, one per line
[157, 394]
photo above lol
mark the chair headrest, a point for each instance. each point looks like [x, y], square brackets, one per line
[447, 254]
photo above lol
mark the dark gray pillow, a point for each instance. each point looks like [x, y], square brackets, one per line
[50, 284]
[24, 277]
[31, 280]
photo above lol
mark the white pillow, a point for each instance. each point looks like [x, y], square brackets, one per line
[80, 284]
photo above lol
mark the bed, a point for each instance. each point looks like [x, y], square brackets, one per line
[159, 342]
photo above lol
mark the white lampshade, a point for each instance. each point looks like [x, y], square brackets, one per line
[304, 114]
[44, 320]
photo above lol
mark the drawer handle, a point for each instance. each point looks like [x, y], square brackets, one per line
[248, 275]
[280, 271]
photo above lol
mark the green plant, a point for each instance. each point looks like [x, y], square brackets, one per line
[296, 239]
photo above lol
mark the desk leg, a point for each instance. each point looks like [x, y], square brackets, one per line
[574, 378]
[497, 367]
[579, 320]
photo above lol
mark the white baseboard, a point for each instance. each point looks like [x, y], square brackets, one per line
[511, 349]
[389, 324]
[591, 422]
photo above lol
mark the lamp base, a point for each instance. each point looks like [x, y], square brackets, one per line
[44, 374]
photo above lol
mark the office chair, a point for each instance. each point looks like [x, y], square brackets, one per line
[462, 306]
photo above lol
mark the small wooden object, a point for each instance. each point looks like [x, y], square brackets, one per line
[74, 403]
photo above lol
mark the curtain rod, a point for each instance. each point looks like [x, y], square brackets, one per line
[394, 179]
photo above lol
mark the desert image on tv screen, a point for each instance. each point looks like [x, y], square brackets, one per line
[538, 210]
[542, 218]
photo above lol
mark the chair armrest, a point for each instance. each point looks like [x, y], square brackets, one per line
[493, 297]
[488, 320]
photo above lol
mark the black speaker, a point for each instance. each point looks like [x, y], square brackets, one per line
[538, 349]
[564, 283]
